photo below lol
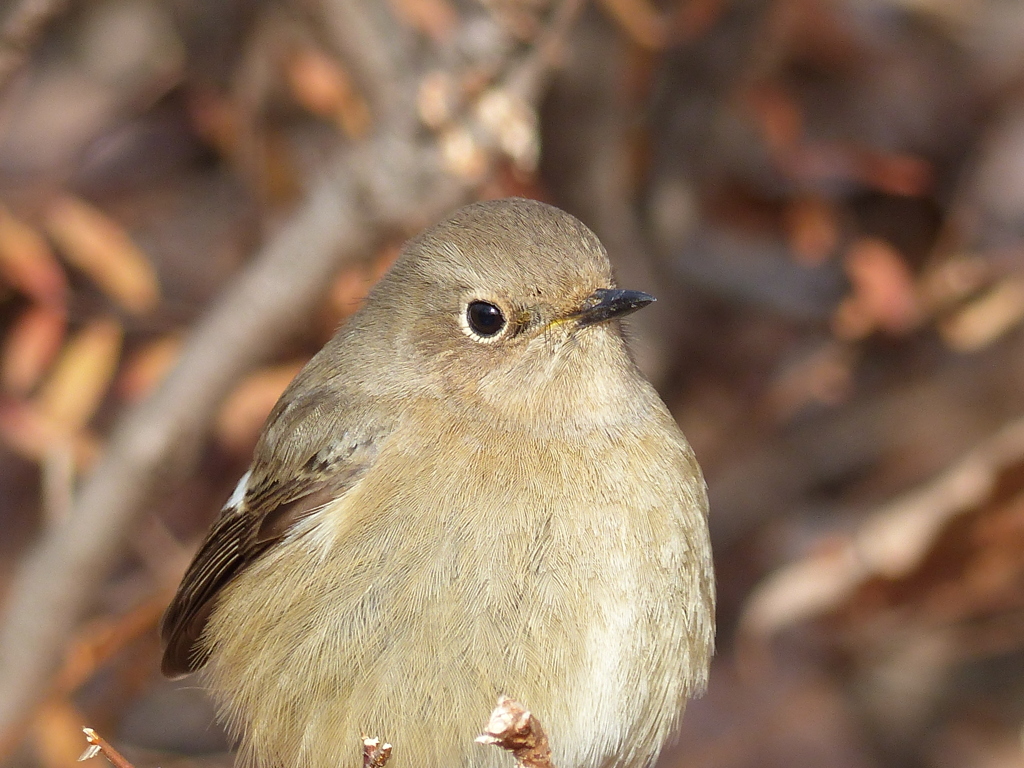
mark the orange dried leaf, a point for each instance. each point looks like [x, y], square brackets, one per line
[31, 346]
[436, 99]
[147, 367]
[813, 226]
[348, 291]
[352, 285]
[74, 390]
[278, 176]
[382, 262]
[986, 318]
[950, 282]
[27, 263]
[696, 17]
[883, 286]
[779, 117]
[57, 734]
[641, 20]
[31, 435]
[894, 174]
[243, 413]
[216, 120]
[434, 18]
[101, 248]
[316, 80]
[321, 85]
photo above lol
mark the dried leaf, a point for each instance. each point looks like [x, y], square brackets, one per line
[147, 367]
[27, 262]
[352, 285]
[75, 388]
[216, 120]
[25, 430]
[31, 346]
[243, 413]
[462, 154]
[779, 117]
[321, 85]
[884, 294]
[813, 225]
[436, 99]
[435, 18]
[514, 123]
[101, 248]
[641, 20]
[987, 318]
[952, 281]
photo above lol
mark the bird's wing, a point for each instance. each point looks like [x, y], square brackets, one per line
[304, 460]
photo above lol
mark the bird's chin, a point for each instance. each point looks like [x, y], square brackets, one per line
[574, 380]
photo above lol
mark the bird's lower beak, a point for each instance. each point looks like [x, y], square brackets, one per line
[606, 303]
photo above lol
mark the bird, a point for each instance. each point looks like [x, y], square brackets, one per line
[470, 492]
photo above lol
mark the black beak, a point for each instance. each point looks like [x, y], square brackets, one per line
[606, 303]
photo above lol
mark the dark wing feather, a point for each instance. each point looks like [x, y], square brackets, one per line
[285, 485]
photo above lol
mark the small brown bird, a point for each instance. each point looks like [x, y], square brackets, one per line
[470, 491]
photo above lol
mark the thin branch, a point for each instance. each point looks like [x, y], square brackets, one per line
[514, 728]
[100, 746]
[529, 79]
[378, 50]
[375, 754]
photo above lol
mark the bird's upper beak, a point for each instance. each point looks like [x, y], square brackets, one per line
[606, 303]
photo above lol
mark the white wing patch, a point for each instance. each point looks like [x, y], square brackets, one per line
[238, 494]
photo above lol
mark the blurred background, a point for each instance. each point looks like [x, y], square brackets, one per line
[827, 197]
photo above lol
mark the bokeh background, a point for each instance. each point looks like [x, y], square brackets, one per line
[827, 197]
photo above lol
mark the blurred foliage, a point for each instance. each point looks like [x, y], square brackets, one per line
[827, 196]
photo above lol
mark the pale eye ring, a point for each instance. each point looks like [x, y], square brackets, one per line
[485, 319]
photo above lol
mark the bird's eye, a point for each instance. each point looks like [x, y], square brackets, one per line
[484, 318]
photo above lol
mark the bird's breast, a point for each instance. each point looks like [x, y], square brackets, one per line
[452, 573]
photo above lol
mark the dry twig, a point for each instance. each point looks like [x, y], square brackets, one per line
[98, 745]
[514, 728]
[888, 544]
[375, 754]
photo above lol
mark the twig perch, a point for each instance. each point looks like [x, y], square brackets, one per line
[514, 728]
[375, 754]
[100, 746]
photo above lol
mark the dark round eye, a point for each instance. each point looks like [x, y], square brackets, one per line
[484, 318]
